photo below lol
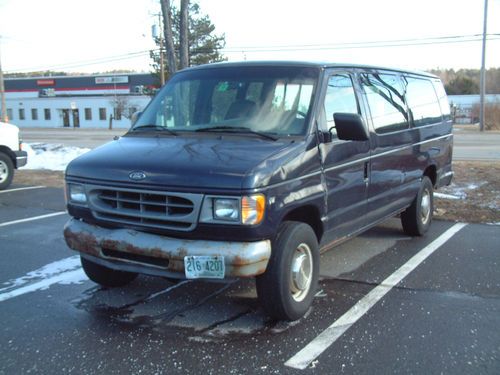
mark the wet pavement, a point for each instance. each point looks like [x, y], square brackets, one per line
[441, 318]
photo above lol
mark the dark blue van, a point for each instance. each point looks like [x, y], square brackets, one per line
[252, 169]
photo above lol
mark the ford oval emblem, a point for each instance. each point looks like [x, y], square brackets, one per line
[137, 176]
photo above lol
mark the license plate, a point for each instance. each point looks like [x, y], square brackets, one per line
[208, 267]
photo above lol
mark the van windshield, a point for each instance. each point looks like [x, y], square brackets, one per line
[255, 99]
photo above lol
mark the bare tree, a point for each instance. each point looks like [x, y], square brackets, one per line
[166, 10]
[183, 35]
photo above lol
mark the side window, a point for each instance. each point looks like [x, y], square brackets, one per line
[423, 102]
[385, 95]
[340, 98]
[443, 100]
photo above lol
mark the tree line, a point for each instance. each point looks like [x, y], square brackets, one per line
[466, 81]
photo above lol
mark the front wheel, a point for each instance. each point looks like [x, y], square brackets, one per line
[6, 170]
[106, 276]
[417, 218]
[286, 290]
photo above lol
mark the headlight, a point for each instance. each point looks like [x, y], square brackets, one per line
[76, 194]
[246, 210]
[226, 209]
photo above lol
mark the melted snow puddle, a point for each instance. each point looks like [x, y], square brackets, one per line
[65, 272]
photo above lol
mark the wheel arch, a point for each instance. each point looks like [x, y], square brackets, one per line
[7, 151]
[431, 172]
[308, 214]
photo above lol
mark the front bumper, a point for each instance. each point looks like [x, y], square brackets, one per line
[21, 158]
[133, 251]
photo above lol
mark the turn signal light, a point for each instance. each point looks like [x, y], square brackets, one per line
[252, 209]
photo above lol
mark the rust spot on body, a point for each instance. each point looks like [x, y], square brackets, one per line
[81, 241]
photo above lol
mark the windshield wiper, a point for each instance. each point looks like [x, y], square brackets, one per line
[153, 127]
[237, 129]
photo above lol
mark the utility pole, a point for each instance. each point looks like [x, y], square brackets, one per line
[157, 36]
[483, 72]
[3, 115]
[162, 63]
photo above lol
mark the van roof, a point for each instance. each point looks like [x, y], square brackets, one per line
[308, 64]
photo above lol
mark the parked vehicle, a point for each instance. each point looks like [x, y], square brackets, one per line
[252, 169]
[11, 154]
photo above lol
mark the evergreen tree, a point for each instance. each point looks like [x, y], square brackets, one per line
[204, 45]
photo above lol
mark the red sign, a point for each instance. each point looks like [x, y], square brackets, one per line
[45, 82]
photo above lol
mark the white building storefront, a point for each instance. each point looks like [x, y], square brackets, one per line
[87, 102]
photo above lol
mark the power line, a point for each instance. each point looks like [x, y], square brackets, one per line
[436, 38]
[83, 63]
[455, 39]
[360, 45]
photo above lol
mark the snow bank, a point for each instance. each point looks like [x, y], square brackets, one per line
[50, 156]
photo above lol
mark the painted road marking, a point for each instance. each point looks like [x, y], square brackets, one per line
[64, 271]
[32, 218]
[24, 188]
[311, 351]
[71, 277]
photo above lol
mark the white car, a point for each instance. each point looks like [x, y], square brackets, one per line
[11, 154]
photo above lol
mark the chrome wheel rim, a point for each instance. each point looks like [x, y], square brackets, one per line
[301, 272]
[425, 206]
[4, 172]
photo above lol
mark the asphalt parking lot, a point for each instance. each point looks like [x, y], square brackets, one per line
[387, 304]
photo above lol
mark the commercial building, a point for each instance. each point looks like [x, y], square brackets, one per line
[78, 101]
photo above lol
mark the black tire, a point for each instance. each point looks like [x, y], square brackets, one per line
[106, 276]
[282, 295]
[6, 171]
[417, 218]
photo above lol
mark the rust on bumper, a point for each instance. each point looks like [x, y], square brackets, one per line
[242, 259]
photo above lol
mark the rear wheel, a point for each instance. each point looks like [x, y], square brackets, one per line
[287, 288]
[106, 276]
[417, 218]
[6, 171]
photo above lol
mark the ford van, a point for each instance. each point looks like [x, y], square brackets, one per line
[253, 169]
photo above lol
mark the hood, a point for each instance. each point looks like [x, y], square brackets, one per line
[9, 136]
[217, 162]
[8, 128]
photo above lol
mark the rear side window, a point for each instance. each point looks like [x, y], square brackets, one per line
[385, 95]
[423, 102]
[443, 100]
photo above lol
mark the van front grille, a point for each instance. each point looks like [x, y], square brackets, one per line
[154, 209]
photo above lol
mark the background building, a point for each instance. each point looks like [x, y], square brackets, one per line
[78, 101]
[465, 108]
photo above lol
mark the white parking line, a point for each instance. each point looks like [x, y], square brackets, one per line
[311, 351]
[24, 188]
[64, 271]
[32, 218]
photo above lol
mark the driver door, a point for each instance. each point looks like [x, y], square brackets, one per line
[345, 163]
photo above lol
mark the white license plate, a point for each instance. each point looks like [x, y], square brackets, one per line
[208, 267]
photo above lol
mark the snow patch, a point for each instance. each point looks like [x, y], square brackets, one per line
[458, 192]
[54, 157]
[49, 270]
[65, 272]
[447, 196]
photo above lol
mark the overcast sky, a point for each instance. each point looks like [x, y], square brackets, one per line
[99, 35]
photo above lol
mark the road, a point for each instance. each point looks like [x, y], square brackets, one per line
[387, 303]
[469, 144]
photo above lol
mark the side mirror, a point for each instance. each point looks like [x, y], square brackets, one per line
[350, 127]
[135, 116]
